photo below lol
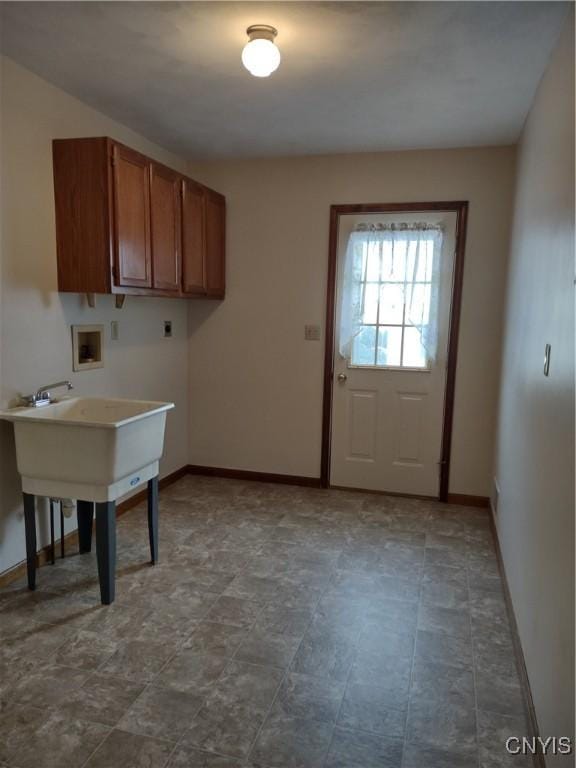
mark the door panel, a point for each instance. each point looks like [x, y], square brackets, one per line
[132, 218]
[193, 239]
[363, 417]
[215, 244]
[387, 421]
[411, 410]
[165, 219]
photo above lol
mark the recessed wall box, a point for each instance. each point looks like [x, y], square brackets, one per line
[87, 347]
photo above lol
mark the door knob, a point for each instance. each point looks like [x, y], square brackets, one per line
[342, 377]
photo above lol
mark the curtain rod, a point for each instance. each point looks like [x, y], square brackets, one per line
[419, 226]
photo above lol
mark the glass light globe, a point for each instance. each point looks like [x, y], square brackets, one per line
[261, 57]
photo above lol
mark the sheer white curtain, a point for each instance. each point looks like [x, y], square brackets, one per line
[407, 255]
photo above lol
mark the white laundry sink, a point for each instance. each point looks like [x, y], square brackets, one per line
[88, 448]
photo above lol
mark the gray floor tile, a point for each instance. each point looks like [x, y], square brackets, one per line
[216, 639]
[234, 610]
[101, 699]
[227, 728]
[48, 685]
[448, 726]
[447, 556]
[129, 749]
[386, 642]
[443, 682]
[247, 684]
[331, 586]
[374, 709]
[38, 640]
[253, 588]
[493, 731]
[163, 713]
[288, 742]
[138, 660]
[18, 723]
[494, 656]
[279, 619]
[446, 649]
[260, 647]
[309, 698]
[499, 695]
[391, 615]
[191, 672]
[352, 749]
[190, 757]
[449, 621]
[384, 671]
[427, 757]
[86, 650]
[60, 742]
[324, 654]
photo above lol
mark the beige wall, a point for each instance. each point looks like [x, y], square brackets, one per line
[535, 449]
[255, 383]
[35, 319]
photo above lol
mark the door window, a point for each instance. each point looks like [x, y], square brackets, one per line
[389, 307]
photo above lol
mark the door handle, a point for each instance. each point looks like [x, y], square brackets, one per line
[342, 377]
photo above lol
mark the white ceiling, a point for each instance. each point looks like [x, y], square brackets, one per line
[355, 76]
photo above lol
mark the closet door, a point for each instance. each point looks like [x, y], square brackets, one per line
[165, 223]
[132, 253]
[193, 239]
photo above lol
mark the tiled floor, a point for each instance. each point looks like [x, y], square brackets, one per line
[283, 628]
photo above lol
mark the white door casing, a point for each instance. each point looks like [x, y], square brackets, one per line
[387, 422]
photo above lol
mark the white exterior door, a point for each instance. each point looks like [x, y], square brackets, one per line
[388, 398]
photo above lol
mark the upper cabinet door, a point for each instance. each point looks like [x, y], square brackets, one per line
[165, 222]
[131, 218]
[215, 244]
[193, 240]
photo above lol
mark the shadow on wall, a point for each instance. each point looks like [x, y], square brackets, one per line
[11, 510]
[199, 312]
[10, 488]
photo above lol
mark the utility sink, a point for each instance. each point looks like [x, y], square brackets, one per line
[95, 449]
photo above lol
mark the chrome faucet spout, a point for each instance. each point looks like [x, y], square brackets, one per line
[42, 396]
[46, 390]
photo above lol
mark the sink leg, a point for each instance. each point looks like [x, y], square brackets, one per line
[85, 514]
[106, 549]
[153, 518]
[30, 527]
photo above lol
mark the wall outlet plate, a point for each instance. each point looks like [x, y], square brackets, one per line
[312, 332]
[167, 329]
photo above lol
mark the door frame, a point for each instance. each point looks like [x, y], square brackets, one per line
[460, 207]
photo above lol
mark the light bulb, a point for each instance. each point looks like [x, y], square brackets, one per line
[261, 56]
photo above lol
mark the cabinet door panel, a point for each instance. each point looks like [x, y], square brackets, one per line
[132, 218]
[165, 220]
[193, 239]
[215, 244]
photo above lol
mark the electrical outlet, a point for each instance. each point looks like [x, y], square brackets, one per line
[312, 332]
[167, 329]
[114, 330]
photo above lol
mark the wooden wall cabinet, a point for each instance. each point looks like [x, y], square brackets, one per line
[126, 224]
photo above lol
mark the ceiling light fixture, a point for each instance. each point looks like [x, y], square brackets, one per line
[261, 56]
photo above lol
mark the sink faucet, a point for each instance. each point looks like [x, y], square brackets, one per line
[42, 396]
